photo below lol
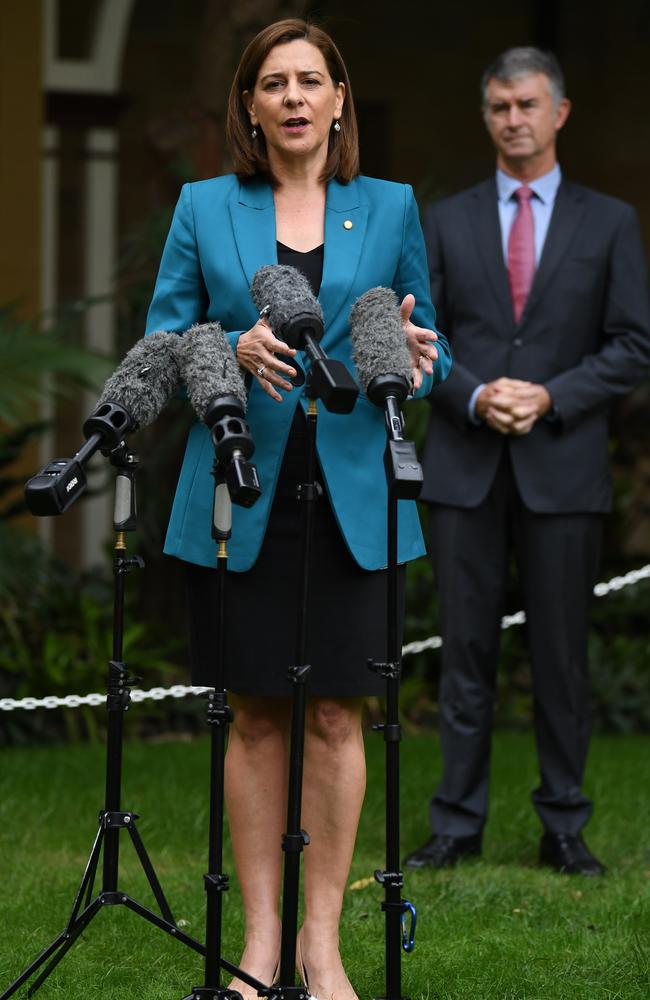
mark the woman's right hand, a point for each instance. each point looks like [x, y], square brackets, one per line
[256, 352]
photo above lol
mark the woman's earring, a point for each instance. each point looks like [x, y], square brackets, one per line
[254, 133]
[337, 126]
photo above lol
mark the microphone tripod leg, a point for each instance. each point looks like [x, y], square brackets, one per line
[112, 820]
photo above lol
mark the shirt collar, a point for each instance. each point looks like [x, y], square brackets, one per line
[545, 187]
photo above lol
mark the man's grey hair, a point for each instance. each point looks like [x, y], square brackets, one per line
[524, 61]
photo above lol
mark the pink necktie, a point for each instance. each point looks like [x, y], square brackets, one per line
[521, 252]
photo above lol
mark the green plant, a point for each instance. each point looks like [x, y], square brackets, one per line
[29, 356]
[35, 366]
[56, 639]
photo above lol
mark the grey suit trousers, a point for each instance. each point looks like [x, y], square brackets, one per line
[557, 560]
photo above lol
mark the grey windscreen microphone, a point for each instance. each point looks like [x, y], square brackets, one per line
[284, 296]
[384, 367]
[131, 399]
[216, 389]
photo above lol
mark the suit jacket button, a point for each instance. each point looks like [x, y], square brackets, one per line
[517, 342]
[347, 224]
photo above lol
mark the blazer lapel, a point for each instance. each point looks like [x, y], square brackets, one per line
[345, 230]
[567, 213]
[253, 223]
[484, 221]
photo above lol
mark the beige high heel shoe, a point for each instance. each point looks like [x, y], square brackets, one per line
[253, 996]
[302, 972]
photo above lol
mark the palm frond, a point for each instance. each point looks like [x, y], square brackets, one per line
[28, 356]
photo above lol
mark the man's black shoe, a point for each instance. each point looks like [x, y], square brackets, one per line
[441, 851]
[569, 854]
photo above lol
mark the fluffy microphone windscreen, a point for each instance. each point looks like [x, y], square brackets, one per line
[208, 367]
[286, 293]
[379, 345]
[146, 379]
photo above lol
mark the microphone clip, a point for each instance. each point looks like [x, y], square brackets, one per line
[330, 381]
[403, 471]
[233, 445]
[111, 422]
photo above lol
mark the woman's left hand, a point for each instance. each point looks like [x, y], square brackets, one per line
[423, 352]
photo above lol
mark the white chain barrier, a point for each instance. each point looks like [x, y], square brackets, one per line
[182, 690]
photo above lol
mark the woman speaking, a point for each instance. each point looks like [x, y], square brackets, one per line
[296, 197]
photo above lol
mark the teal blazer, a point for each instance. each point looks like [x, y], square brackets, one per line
[222, 232]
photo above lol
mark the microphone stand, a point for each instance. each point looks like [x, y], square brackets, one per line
[112, 819]
[404, 481]
[295, 839]
[330, 381]
[235, 481]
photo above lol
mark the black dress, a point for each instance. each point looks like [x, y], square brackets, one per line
[347, 604]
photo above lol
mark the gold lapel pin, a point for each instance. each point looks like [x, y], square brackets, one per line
[348, 224]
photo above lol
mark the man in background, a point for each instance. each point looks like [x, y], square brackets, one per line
[541, 286]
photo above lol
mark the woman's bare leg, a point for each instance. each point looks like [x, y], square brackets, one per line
[334, 786]
[256, 782]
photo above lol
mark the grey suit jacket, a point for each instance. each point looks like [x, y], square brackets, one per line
[584, 334]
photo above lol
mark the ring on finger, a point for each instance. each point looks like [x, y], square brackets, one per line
[261, 370]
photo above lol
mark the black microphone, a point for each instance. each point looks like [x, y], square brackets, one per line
[217, 392]
[284, 296]
[132, 398]
[384, 367]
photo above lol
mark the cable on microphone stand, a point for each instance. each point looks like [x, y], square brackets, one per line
[404, 481]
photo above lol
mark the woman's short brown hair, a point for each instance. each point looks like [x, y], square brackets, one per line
[249, 155]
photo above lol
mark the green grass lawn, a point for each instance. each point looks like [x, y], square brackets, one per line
[499, 927]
